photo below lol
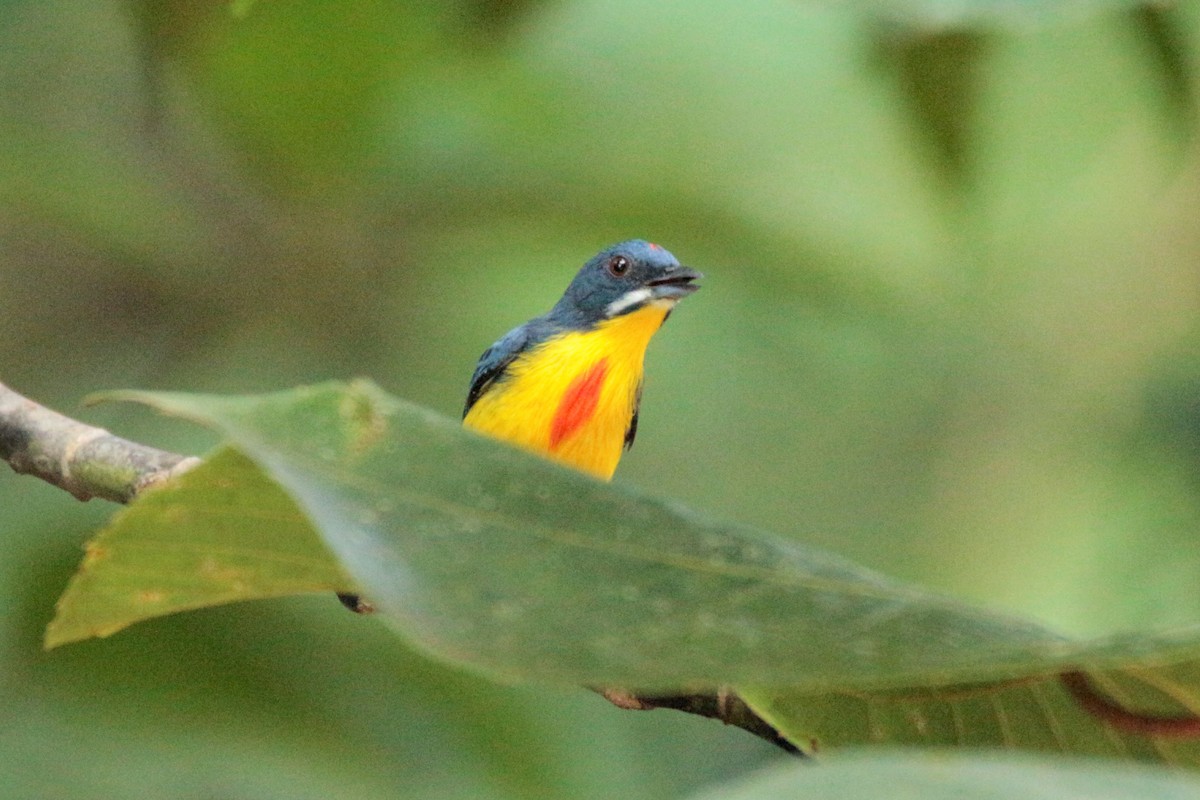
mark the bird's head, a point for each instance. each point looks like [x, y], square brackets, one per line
[624, 278]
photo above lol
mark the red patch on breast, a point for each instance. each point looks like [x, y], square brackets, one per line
[578, 403]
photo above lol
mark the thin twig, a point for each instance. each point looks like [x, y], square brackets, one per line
[723, 705]
[81, 459]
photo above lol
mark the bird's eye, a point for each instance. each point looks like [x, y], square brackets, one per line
[618, 266]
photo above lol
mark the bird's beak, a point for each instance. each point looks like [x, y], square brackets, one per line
[675, 284]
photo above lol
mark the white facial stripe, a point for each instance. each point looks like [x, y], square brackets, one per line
[628, 300]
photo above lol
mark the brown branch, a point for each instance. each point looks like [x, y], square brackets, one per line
[1103, 707]
[90, 462]
[81, 459]
[723, 705]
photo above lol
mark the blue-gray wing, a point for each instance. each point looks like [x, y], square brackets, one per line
[494, 362]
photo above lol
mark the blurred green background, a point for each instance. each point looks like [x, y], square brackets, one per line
[948, 330]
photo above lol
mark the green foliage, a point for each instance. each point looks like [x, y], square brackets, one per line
[215, 538]
[948, 333]
[498, 560]
[1031, 713]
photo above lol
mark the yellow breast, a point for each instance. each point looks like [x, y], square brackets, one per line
[572, 397]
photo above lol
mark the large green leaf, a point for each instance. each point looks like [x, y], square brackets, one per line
[496, 559]
[499, 559]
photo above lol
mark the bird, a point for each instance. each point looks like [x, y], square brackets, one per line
[568, 385]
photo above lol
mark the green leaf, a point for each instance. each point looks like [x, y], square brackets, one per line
[492, 557]
[1034, 713]
[222, 533]
[501, 561]
[948, 776]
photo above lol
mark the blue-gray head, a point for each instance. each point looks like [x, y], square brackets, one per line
[622, 279]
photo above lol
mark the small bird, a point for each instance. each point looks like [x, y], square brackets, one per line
[567, 384]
